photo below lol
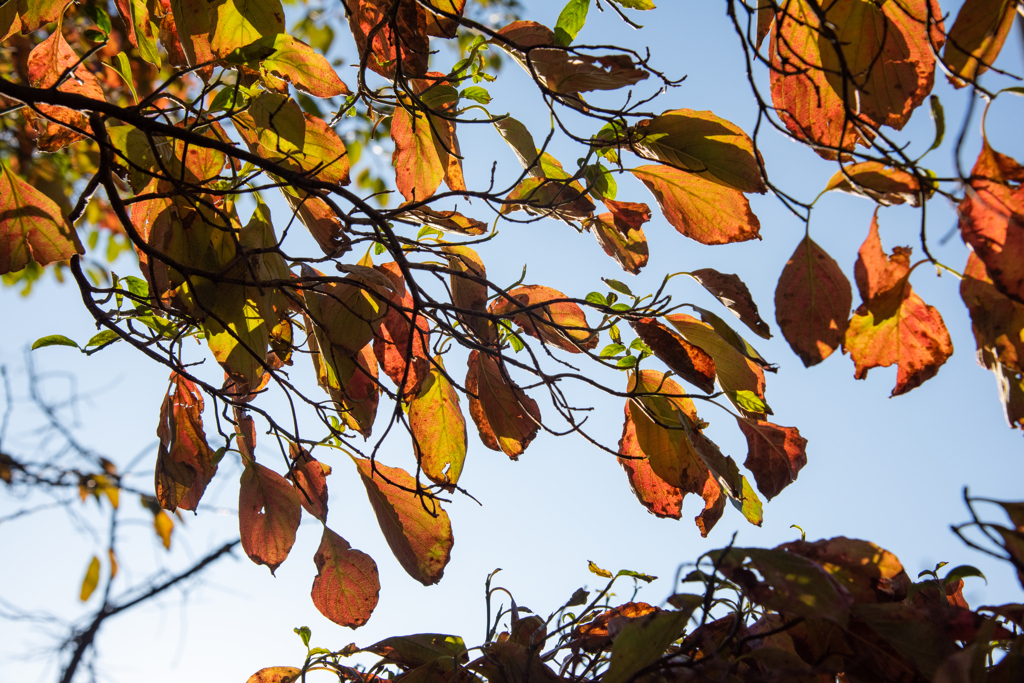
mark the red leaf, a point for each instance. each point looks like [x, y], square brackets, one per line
[688, 361]
[409, 43]
[812, 303]
[185, 463]
[660, 498]
[775, 455]
[568, 330]
[702, 210]
[735, 372]
[268, 515]
[310, 479]
[194, 27]
[400, 347]
[347, 585]
[620, 233]
[893, 325]
[416, 527]
[992, 219]
[31, 226]
[507, 419]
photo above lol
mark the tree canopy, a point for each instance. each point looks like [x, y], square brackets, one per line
[318, 309]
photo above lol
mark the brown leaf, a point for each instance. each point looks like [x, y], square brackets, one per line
[660, 498]
[598, 633]
[416, 527]
[620, 233]
[977, 36]
[467, 293]
[439, 428]
[185, 463]
[868, 572]
[507, 419]
[812, 303]
[992, 219]
[347, 586]
[447, 221]
[700, 209]
[269, 511]
[310, 479]
[883, 184]
[407, 46]
[346, 315]
[276, 674]
[893, 325]
[32, 227]
[351, 382]
[729, 289]
[775, 455]
[401, 348]
[714, 507]
[686, 360]
[565, 325]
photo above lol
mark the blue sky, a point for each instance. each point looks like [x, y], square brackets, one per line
[887, 470]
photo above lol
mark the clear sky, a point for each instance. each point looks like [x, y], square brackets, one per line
[886, 470]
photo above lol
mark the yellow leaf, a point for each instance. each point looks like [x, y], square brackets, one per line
[113, 563]
[91, 580]
[597, 570]
[164, 525]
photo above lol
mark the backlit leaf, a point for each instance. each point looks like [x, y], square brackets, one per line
[884, 184]
[660, 498]
[643, 641]
[345, 315]
[440, 25]
[871, 574]
[714, 507]
[53, 340]
[416, 527]
[447, 221]
[729, 289]
[705, 211]
[775, 455]
[302, 66]
[992, 219]
[439, 428]
[700, 142]
[812, 303]
[977, 36]
[568, 329]
[468, 291]
[185, 462]
[32, 227]
[426, 152]
[410, 42]
[276, 674]
[269, 511]
[686, 360]
[347, 586]
[239, 23]
[310, 479]
[506, 418]
[91, 579]
[620, 233]
[570, 21]
[164, 527]
[894, 326]
[351, 380]
[401, 347]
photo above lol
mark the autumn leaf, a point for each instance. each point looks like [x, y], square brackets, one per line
[268, 515]
[438, 427]
[714, 507]
[700, 209]
[310, 479]
[442, 26]
[812, 303]
[37, 13]
[507, 419]
[346, 315]
[992, 219]
[732, 292]
[775, 455]
[239, 23]
[883, 184]
[321, 221]
[766, 10]
[561, 324]
[276, 674]
[416, 527]
[620, 233]
[688, 361]
[468, 291]
[894, 326]
[31, 226]
[91, 579]
[977, 36]
[185, 462]
[142, 32]
[407, 46]
[660, 498]
[447, 221]
[426, 152]
[303, 67]
[871, 574]
[351, 381]
[347, 586]
[706, 145]
[401, 348]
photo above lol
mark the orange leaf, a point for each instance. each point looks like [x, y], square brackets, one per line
[400, 347]
[893, 325]
[660, 498]
[702, 210]
[765, 17]
[441, 26]
[185, 463]
[424, 147]
[303, 67]
[714, 507]
[31, 226]
[977, 36]
[871, 574]
[310, 479]
[321, 221]
[38, 13]
[620, 233]
[568, 328]
[688, 361]
[812, 302]
[775, 455]
[992, 219]
[408, 46]
[347, 586]
[268, 515]
[507, 419]
[438, 428]
[193, 25]
[350, 380]
[732, 292]
[735, 372]
[700, 142]
[883, 184]
[416, 527]
[467, 293]
[164, 526]
[276, 674]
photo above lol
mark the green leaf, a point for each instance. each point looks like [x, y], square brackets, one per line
[304, 633]
[230, 99]
[612, 350]
[635, 4]
[643, 641]
[438, 95]
[636, 575]
[940, 121]
[961, 572]
[477, 94]
[319, 651]
[53, 340]
[621, 307]
[102, 338]
[601, 181]
[94, 35]
[619, 287]
[124, 69]
[579, 597]
[99, 17]
[627, 362]
[570, 21]
[597, 299]
[748, 400]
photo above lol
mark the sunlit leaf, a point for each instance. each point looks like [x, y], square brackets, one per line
[775, 455]
[976, 38]
[660, 498]
[269, 511]
[506, 418]
[53, 340]
[729, 289]
[643, 641]
[347, 586]
[185, 462]
[310, 479]
[884, 184]
[686, 360]
[561, 324]
[570, 21]
[32, 227]
[439, 427]
[468, 291]
[276, 674]
[373, 18]
[238, 23]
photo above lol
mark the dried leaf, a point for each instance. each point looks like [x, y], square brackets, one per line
[467, 293]
[185, 462]
[276, 674]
